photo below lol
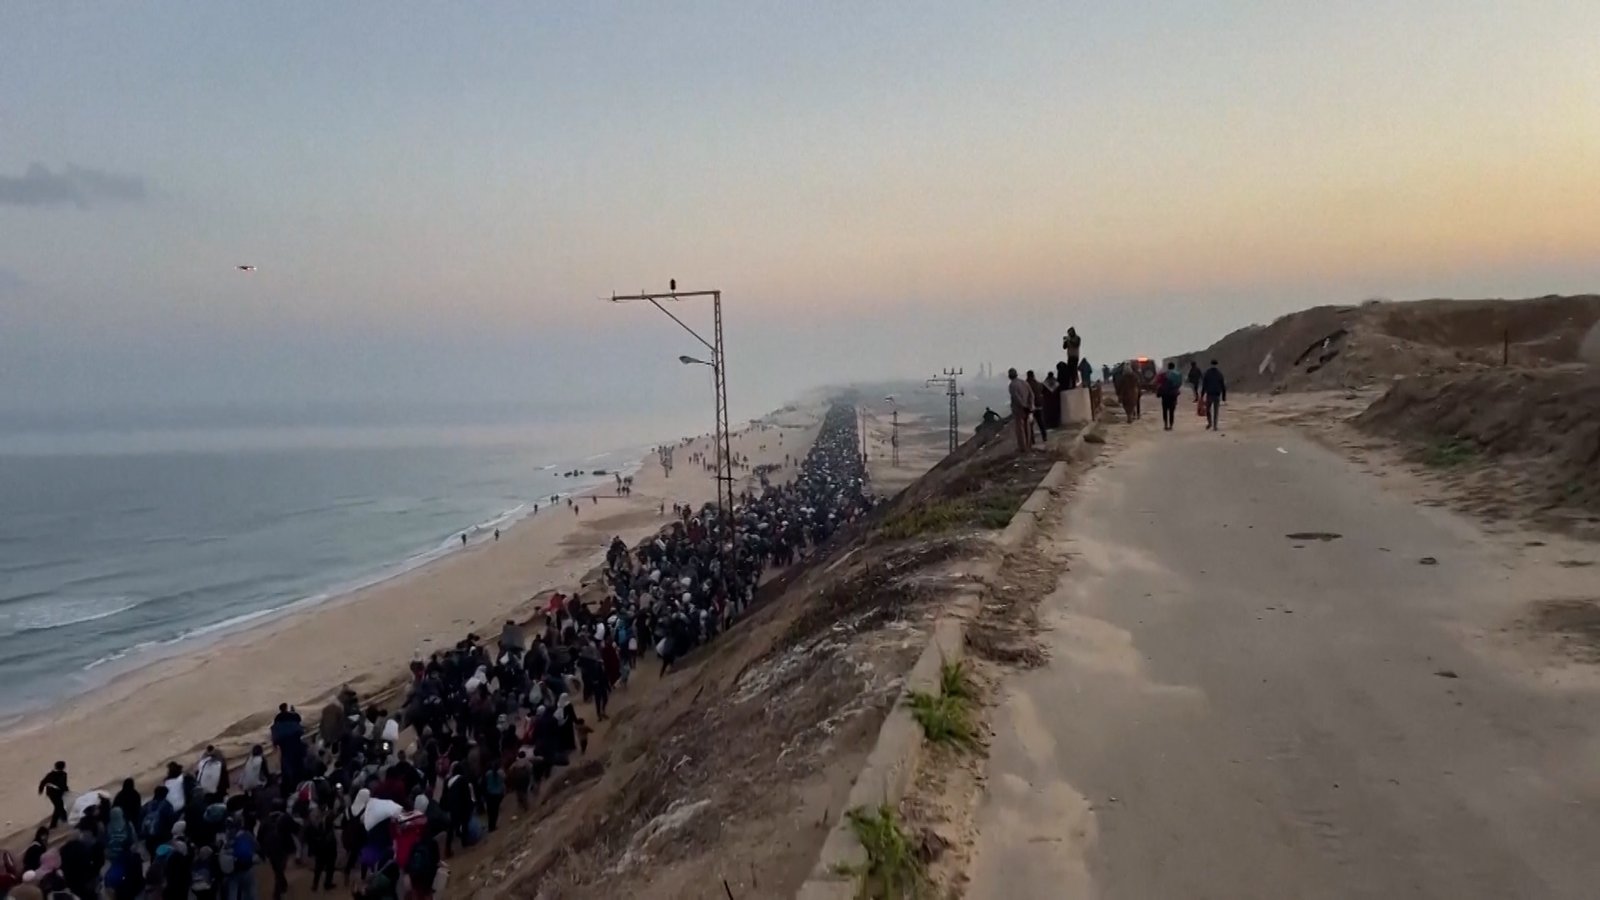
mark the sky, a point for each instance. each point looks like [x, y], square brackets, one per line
[439, 196]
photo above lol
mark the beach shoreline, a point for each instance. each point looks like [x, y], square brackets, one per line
[224, 690]
[122, 662]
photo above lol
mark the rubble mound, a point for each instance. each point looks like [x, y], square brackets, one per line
[1539, 427]
[1333, 347]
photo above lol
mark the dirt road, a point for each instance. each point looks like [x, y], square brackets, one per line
[1259, 686]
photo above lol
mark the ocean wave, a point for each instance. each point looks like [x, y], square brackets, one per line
[35, 565]
[453, 542]
[74, 585]
[229, 624]
[63, 614]
[191, 539]
[149, 638]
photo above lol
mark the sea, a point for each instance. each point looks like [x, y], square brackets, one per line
[119, 547]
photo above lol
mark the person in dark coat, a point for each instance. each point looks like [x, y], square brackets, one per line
[129, 801]
[459, 802]
[54, 786]
[32, 856]
[1215, 389]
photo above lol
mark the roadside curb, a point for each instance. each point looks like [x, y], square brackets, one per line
[892, 765]
[1025, 523]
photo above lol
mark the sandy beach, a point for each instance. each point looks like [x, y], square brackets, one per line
[226, 691]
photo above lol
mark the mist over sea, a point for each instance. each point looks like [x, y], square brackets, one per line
[124, 539]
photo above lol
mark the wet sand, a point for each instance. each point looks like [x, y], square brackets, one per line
[226, 691]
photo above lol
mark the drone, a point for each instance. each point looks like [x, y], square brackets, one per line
[246, 268]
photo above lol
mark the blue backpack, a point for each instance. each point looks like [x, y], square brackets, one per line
[150, 824]
[244, 850]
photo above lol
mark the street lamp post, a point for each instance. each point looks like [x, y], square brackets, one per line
[719, 370]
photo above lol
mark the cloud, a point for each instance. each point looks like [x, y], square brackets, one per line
[77, 185]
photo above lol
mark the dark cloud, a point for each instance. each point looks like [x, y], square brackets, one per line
[82, 187]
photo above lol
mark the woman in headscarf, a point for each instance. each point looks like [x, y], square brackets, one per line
[34, 855]
[49, 872]
[28, 889]
[124, 871]
[256, 772]
[459, 801]
[119, 834]
[354, 833]
[128, 800]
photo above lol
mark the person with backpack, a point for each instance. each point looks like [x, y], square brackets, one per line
[519, 778]
[382, 884]
[179, 866]
[237, 862]
[1169, 387]
[278, 833]
[203, 875]
[256, 773]
[156, 819]
[1215, 389]
[494, 791]
[422, 867]
[125, 870]
[322, 843]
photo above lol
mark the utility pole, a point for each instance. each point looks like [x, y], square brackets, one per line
[719, 372]
[948, 381]
[894, 432]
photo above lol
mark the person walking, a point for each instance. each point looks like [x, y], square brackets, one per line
[1194, 379]
[494, 792]
[1169, 388]
[1021, 406]
[54, 786]
[1215, 389]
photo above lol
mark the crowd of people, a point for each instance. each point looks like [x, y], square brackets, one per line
[1209, 387]
[482, 722]
[1036, 405]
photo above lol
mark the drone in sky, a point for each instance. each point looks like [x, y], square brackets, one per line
[246, 268]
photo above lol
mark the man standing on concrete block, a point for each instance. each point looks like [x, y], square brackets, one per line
[1072, 344]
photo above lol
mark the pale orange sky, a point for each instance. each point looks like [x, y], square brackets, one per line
[494, 174]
